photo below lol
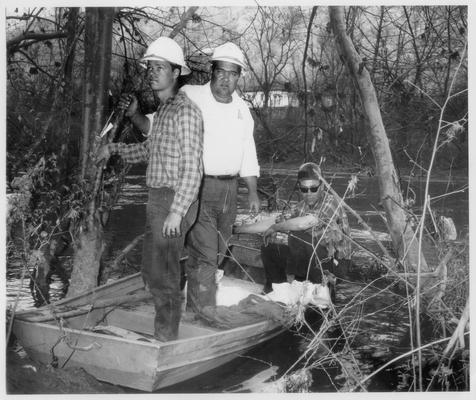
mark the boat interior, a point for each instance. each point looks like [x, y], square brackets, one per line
[134, 319]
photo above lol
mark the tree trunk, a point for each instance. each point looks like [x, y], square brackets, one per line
[97, 63]
[404, 241]
[303, 66]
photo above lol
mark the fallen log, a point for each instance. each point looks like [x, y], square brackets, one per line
[52, 313]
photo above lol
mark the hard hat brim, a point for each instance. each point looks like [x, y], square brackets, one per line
[230, 60]
[143, 62]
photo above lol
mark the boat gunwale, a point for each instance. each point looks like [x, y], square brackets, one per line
[157, 343]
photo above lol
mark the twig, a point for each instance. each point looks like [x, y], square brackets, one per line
[359, 219]
[458, 334]
[450, 193]
[126, 251]
[422, 220]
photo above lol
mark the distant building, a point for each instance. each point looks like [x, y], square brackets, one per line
[279, 96]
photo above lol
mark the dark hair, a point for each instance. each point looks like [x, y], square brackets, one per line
[181, 79]
[309, 170]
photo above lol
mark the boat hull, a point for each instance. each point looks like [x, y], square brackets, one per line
[137, 360]
[140, 365]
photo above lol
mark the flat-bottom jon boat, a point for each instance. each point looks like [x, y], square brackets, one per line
[109, 333]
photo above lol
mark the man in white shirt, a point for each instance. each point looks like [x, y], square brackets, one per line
[229, 151]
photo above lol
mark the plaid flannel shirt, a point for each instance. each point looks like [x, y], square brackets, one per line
[328, 211]
[173, 151]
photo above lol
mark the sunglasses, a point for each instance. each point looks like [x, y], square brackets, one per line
[312, 189]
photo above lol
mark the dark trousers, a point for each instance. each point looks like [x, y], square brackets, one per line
[296, 258]
[207, 240]
[161, 262]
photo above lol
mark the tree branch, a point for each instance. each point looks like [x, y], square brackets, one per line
[183, 21]
[14, 44]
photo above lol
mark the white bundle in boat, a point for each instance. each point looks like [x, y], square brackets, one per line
[231, 291]
[304, 293]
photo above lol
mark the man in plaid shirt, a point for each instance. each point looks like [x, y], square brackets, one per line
[173, 151]
[318, 238]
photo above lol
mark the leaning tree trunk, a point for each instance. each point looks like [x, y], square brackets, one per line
[97, 63]
[404, 240]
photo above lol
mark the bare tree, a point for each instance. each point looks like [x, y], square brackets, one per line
[273, 43]
[403, 237]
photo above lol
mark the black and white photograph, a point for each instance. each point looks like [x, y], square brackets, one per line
[237, 198]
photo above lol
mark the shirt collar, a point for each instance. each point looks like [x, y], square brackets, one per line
[172, 99]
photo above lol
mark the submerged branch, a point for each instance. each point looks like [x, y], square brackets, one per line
[126, 250]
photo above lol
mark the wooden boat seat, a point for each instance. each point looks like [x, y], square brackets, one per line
[121, 332]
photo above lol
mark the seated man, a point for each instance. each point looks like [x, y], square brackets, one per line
[318, 241]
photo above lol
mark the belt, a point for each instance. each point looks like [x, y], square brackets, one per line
[221, 177]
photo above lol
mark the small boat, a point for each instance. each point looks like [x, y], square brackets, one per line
[108, 332]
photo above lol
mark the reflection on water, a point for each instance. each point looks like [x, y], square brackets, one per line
[377, 326]
[18, 286]
[18, 290]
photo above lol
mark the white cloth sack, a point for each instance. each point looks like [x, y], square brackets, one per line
[301, 292]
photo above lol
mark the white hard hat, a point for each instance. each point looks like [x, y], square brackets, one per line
[165, 49]
[229, 52]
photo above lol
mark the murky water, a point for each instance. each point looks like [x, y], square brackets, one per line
[376, 328]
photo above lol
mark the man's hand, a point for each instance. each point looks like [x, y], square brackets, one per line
[171, 228]
[129, 103]
[254, 201]
[270, 233]
[103, 153]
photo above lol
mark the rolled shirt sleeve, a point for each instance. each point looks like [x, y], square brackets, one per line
[131, 153]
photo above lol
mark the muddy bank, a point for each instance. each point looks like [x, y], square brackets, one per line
[25, 376]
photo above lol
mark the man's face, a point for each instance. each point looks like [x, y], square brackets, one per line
[225, 77]
[160, 75]
[309, 189]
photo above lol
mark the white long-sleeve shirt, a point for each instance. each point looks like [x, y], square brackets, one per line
[228, 144]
